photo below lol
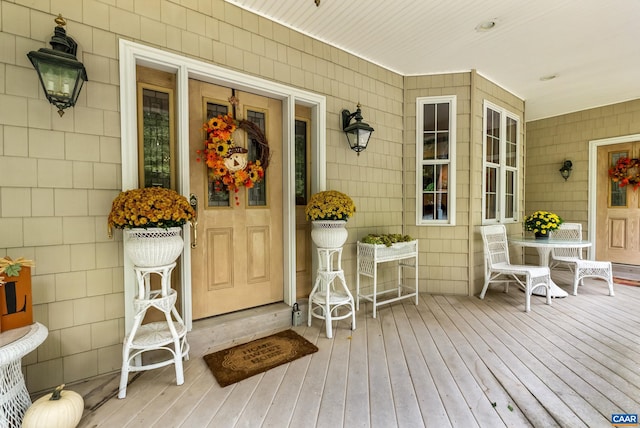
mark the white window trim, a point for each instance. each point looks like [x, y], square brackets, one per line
[451, 215]
[502, 169]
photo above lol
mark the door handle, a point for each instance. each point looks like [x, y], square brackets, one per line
[193, 201]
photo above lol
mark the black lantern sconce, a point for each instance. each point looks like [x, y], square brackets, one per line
[566, 169]
[61, 74]
[358, 133]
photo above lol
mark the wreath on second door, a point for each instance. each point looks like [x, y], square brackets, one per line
[228, 164]
[625, 172]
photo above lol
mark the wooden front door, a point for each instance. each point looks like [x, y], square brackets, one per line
[237, 261]
[618, 209]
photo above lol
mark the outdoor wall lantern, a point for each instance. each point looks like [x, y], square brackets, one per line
[358, 133]
[566, 169]
[61, 74]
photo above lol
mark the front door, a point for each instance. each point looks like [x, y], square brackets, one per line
[618, 209]
[237, 254]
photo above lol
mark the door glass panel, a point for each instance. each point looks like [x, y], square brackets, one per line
[301, 162]
[217, 196]
[156, 140]
[257, 195]
[617, 194]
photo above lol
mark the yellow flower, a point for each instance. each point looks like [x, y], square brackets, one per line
[330, 205]
[542, 222]
[149, 207]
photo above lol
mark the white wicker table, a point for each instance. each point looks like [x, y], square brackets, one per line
[370, 255]
[544, 246]
[14, 397]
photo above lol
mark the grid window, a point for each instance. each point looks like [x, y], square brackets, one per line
[501, 148]
[435, 154]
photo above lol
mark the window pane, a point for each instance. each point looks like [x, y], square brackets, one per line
[443, 117]
[427, 206]
[491, 193]
[429, 146]
[512, 130]
[510, 195]
[156, 138]
[442, 177]
[218, 195]
[493, 150]
[441, 206]
[301, 162]
[429, 115]
[428, 181]
[512, 138]
[511, 154]
[258, 193]
[443, 145]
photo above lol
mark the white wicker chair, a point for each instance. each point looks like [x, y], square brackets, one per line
[573, 258]
[498, 268]
[566, 256]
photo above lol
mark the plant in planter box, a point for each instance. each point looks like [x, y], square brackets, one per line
[387, 239]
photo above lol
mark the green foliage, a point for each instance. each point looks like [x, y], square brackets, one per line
[386, 239]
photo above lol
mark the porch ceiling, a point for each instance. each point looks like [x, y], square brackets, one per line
[590, 45]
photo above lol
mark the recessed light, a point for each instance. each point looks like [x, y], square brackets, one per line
[548, 77]
[486, 25]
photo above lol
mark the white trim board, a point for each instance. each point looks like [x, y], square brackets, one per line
[132, 54]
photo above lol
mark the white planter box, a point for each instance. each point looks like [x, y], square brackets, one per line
[369, 255]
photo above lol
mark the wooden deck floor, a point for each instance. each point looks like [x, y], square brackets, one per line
[450, 361]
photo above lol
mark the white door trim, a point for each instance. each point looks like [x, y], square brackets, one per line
[593, 181]
[132, 54]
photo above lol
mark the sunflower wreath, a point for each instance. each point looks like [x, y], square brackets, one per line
[626, 171]
[228, 164]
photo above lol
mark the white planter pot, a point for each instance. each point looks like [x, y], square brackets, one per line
[329, 233]
[154, 246]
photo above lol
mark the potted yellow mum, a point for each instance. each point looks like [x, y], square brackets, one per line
[329, 211]
[541, 223]
[152, 219]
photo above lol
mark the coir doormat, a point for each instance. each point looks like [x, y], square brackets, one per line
[242, 361]
[626, 281]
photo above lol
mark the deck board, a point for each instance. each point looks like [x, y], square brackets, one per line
[450, 361]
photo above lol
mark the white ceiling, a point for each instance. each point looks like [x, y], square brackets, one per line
[593, 46]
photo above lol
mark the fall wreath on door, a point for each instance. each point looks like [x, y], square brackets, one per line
[626, 171]
[228, 163]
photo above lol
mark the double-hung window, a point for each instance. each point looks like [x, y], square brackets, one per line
[501, 136]
[435, 160]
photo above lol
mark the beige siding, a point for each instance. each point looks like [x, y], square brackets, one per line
[484, 89]
[444, 266]
[551, 141]
[60, 174]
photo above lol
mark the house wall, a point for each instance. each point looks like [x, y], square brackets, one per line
[443, 258]
[60, 174]
[450, 255]
[485, 89]
[551, 141]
